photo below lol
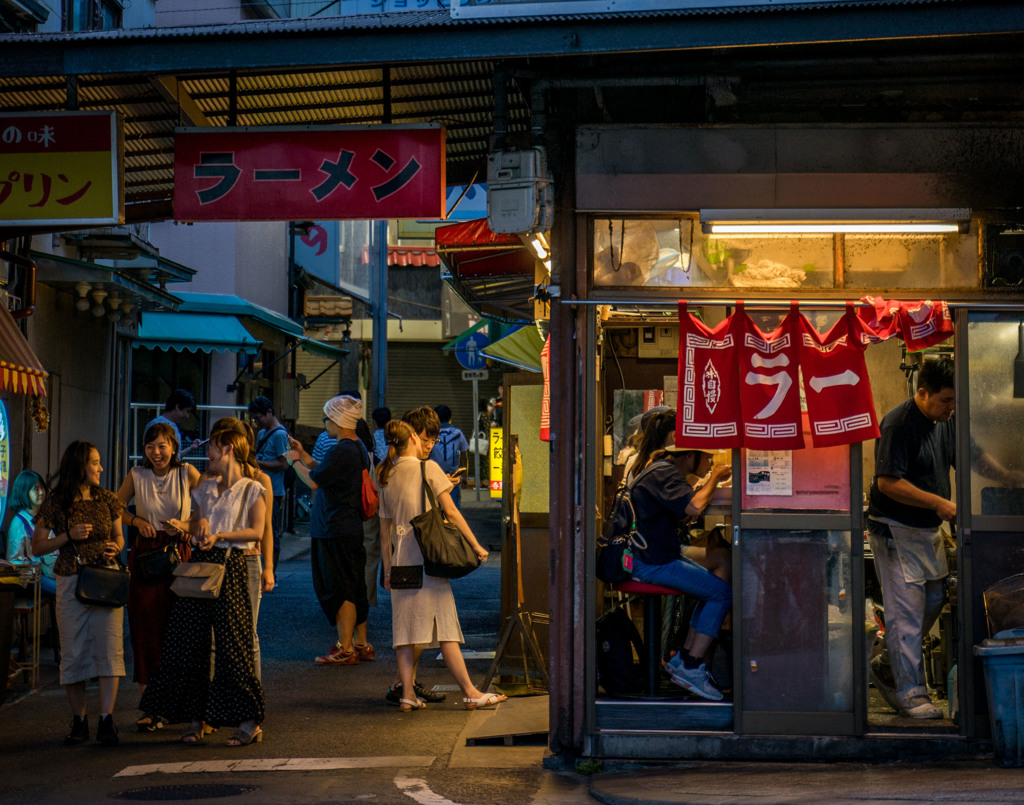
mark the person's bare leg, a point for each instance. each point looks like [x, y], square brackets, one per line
[404, 654]
[346, 622]
[452, 653]
[108, 693]
[76, 697]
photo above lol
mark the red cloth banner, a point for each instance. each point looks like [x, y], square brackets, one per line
[769, 387]
[708, 408]
[839, 402]
[919, 324]
[315, 173]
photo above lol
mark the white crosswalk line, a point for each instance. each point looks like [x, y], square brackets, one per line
[418, 789]
[279, 764]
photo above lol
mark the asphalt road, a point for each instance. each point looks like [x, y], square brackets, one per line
[330, 738]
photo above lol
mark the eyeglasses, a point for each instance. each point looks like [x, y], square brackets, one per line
[430, 441]
[323, 420]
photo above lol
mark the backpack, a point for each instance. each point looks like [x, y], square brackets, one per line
[619, 645]
[615, 547]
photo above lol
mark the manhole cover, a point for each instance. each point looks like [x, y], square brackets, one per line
[161, 793]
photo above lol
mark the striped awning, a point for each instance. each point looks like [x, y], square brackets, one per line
[20, 370]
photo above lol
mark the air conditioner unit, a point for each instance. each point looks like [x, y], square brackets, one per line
[520, 196]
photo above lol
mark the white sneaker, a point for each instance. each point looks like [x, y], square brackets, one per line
[697, 682]
[920, 707]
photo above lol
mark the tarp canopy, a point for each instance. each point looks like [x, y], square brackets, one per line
[195, 332]
[520, 348]
[20, 370]
[492, 272]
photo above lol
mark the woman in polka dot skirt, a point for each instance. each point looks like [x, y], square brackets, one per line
[228, 513]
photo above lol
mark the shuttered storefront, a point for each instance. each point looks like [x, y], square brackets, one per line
[311, 400]
[420, 374]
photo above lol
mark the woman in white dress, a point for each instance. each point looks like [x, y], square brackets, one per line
[424, 616]
[162, 490]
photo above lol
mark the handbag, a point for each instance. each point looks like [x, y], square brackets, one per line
[199, 579]
[202, 579]
[406, 577]
[100, 585]
[159, 563]
[446, 554]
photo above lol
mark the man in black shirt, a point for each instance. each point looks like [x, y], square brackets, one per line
[910, 498]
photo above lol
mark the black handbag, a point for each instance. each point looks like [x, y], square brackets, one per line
[406, 577]
[103, 586]
[100, 585]
[159, 563]
[446, 554]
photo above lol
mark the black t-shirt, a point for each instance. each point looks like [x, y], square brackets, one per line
[338, 503]
[913, 447]
[660, 499]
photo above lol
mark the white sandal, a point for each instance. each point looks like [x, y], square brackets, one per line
[487, 700]
[413, 704]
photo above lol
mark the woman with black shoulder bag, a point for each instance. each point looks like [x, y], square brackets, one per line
[423, 607]
[86, 520]
[162, 489]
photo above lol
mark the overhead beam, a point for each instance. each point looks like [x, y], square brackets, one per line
[361, 40]
[172, 91]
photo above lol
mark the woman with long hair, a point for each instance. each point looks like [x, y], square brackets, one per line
[162, 491]
[424, 616]
[259, 559]
[229, 512]
[27, 495]
[86, 523]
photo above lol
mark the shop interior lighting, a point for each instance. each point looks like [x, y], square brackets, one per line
[835, 221]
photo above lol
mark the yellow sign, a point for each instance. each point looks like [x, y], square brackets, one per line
[61, 167]
[497, 456]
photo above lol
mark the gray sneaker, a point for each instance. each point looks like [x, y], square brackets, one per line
[697, 682]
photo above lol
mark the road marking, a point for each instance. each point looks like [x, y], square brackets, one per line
[417, 789]
[279, 764]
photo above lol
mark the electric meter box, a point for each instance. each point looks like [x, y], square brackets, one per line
[520, 198]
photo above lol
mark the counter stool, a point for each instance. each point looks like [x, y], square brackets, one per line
[29, 613]
[651, 594]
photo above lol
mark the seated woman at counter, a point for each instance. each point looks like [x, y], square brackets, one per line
[661, 498]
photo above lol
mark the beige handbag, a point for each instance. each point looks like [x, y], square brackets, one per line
[199, 579]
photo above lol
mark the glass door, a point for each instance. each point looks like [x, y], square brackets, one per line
[990, 497]
[798, 595]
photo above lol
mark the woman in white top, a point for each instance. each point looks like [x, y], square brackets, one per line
[162, 490]
[424, 616]
[229, 512]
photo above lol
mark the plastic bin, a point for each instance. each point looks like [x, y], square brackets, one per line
[1002, 658]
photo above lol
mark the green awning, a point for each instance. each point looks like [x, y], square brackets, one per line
[194, 332]
[234, 305]
[322, 349]
[520, 348]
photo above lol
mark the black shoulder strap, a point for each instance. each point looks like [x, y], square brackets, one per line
[266, 437]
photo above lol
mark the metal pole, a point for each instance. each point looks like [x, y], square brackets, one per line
[476, 438]
[379, 302]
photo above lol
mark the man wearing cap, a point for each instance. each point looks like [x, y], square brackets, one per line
[336, 530]
[271, 442]
[661, 497]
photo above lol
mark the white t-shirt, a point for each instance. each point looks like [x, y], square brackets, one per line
[228, 511]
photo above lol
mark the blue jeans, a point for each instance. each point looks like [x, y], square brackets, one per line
[685, 575]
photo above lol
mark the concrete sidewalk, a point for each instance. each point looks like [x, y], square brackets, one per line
[741, 783]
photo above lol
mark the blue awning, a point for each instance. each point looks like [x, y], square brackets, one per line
[234, 305]
[195, 332]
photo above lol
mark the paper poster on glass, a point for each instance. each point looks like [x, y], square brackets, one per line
[769, 472]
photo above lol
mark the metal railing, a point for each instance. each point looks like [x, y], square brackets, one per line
[143, 412]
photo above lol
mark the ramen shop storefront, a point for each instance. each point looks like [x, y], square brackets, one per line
[769, 259]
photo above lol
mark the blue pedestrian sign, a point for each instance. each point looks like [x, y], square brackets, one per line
[468, 351]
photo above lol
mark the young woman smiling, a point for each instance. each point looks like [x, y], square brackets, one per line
[229, 512]
[86, 520]
[162, 489]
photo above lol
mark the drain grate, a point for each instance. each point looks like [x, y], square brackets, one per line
[162, 793]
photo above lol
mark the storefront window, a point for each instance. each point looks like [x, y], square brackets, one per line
[997, 412]
[676, 253]
[797, 643]
[911, 261]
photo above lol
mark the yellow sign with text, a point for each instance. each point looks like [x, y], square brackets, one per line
[497, 456]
